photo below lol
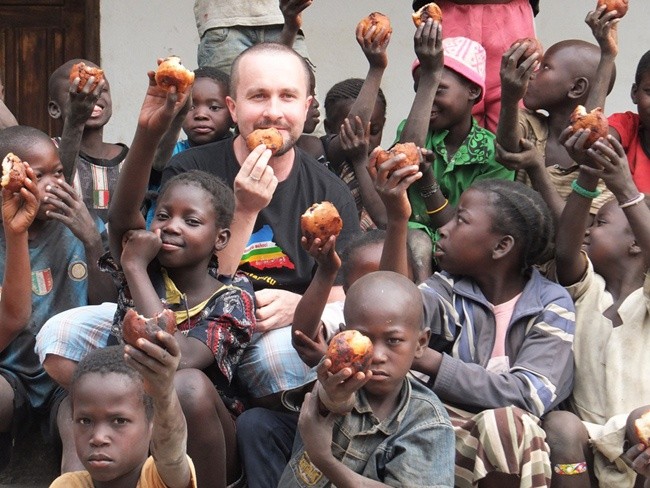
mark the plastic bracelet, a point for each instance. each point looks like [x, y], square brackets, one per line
[570, 469]
[637, 199]
[583, 192]
[433, 212]
[429, 191]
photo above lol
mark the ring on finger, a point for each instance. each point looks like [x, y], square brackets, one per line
[254, 178]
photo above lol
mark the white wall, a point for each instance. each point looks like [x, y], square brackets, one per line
[134, 34]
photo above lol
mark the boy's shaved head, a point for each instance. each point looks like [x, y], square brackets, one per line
[19, 139]
[385, 294]
[586, 58]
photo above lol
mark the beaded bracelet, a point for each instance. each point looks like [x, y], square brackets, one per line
[433, 212]
[570, 469]
[583, 192]
[633, 201]
[429, 191]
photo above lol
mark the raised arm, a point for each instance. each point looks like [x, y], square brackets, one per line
[605, 29]
[157, 365]
[514, 82]
[18, 213]
[292, 12]
[392, 187]
[427, 43]
[157, 112]
[82, 104]
[307, 317]
[168, 142]
[373, 45]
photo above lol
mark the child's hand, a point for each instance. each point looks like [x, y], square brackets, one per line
[19, 209]
[574, 142]
[292, 11]
[638, 458]
[427, 43]
[374, 50]
[514, 79]
[70, 209]
[140, 247]
[337, 390]
[311, 352]
[323, 252]
[527, 159]
[315, 429]
[392, 186]
[160, 107]
[255, 183]
[604, 27]
[355, 139]
[82, 103]
[156, 364]
[613, 168]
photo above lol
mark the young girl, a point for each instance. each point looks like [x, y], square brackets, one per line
[495, 24]
[633, 130]
[500, 355]
[173, 262]
[604, 268]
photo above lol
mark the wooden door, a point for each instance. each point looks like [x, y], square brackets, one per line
[37, 36]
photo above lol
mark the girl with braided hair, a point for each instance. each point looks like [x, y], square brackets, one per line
[500, 355]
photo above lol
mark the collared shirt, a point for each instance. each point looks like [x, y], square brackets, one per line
[414, 446]
[474, 160]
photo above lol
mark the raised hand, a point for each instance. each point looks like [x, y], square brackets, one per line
[19, 209]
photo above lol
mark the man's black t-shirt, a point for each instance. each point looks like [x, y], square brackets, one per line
[273, 257]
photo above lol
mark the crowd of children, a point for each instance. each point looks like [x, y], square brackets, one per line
[502, 280]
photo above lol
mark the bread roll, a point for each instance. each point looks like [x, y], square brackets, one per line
[172, 73]
[321, 220]
[271, 138]
[13, 173]
[350, 349]
[428, 11]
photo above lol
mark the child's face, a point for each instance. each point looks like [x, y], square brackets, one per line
[641, 98]
[453, 102]
[340, 110]
[364, 260]
[101, 113]
[110, 426]
[187, 222]
[552, 81]
[313, 116]
[43, 157]
[396, 338]
[467, 241]
[609, 238]
[208, 119]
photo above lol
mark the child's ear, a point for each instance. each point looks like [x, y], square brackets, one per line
[580, 88]
[634, 94]
[474, 93]
[634, 249]
[327, 124]
[53, 109]
[423, 342]
[503, 247]
[222, 240]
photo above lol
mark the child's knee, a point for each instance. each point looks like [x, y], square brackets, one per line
[565, 434]
[60, 369]
[196, 392]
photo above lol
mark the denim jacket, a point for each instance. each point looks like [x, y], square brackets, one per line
[413, 447]
[539, 344]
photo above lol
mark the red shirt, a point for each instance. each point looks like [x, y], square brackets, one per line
[628, 126]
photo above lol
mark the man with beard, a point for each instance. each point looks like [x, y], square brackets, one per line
[269, 87]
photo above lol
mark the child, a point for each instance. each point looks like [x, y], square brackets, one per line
[123, 404]
[501, 345]
[495, 25]
[604, 268]
[63, 245]
[349, 427]
[449, 78]
[205, 119]
[89, 163]
[633, 130]
[174, 262]
[571, 73]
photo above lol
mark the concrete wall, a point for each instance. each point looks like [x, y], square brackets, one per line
[134, 34]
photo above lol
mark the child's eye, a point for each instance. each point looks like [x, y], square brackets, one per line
[193, 222]
[83, 421]
[215, 108]
[393, 341]
[161, 216]
[120, 421]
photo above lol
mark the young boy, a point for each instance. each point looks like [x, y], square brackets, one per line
[89, 164]
[123, 405]
[449, 79]
[571, 73]
[63, 244]
[357, 426]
